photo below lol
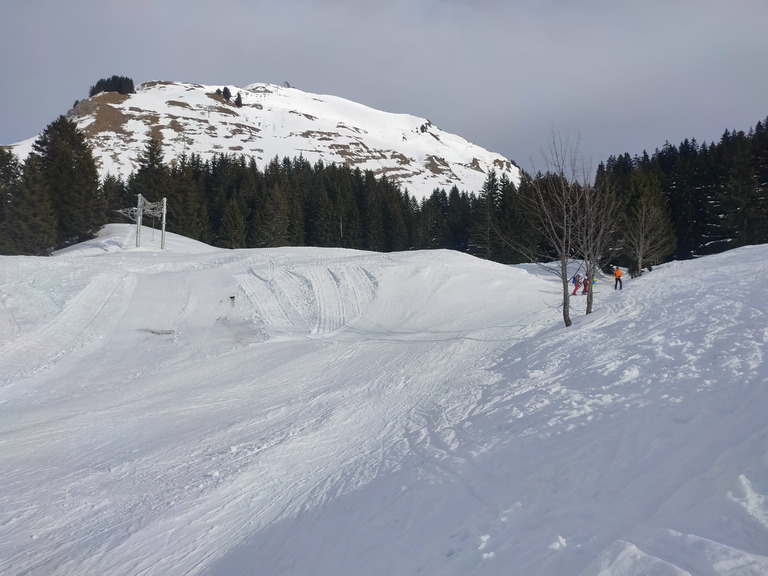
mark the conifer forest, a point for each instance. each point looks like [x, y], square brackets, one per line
[680, 202]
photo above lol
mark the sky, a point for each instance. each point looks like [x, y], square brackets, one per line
[609, 75]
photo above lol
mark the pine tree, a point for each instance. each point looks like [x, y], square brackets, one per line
[121, 84]
[69, 168]
[433, 230]
[30, 224]
[741, 196]
[271, 227]
[152, 176]
[341, 184]
[484, 229]
[322, 223]
[10, 170]
[686, 200]
[395, 231]
[515, 230]
[233, 227]
[187, 212]
[459, 219]
[760, 150]
[115, 195]
[374, 236]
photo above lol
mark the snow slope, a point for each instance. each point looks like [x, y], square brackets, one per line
[279, 122]
[323, 411]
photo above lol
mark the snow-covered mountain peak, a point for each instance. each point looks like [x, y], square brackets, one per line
[264, 121]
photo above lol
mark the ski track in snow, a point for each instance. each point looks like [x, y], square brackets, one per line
[163, 413]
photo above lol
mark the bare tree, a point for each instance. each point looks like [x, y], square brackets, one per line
[575, 219]
[554, 202]
[599, 212]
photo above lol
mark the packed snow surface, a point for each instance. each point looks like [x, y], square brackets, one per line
[306, 411]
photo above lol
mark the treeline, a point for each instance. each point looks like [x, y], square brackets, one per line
[231, 202]
[121, 84]
[716, 194]
[55, 199]
[681, 202]
[52, 199]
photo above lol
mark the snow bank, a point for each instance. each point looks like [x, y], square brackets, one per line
[326, 411]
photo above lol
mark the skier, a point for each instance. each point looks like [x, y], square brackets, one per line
[586, 284]
[617, 284]
[576, 284]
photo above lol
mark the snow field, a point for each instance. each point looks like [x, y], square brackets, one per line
[358, 413]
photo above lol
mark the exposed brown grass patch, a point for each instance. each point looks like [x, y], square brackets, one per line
[106, 118]
[246, 132]
[224, 111]
[400, 158]
[153, 83]
[226, 107]
[307, 116]
[344, 151]
[156, 132]
[475, 165]
[176, 126]
[317, 135]
[437, 165]
[343, 126]
[179, 104]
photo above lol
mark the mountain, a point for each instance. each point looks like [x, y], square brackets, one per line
[283, 122]
[325, 412]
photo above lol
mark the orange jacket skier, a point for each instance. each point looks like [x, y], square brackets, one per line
[617, 283]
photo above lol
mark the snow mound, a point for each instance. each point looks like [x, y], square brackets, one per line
[324, 411]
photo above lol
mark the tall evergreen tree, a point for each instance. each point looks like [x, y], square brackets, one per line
[341, 184]
[760, 151]
[115, 194]
[233, 227]
[271, 227]
[10, 170]
[374, 235]
[69, 168]
[433, 230]
[686, 200]
[515, 227]
[322, 223]
[485, 241]
[743, 206]
[151, 178]
[459, 219]
[30, 224]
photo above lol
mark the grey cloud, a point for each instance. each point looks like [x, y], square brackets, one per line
[626, 76]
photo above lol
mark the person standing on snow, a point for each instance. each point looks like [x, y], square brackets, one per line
[617, 283]
[576, 284]
[586, 284]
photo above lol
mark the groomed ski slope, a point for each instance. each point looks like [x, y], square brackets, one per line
[331, 412]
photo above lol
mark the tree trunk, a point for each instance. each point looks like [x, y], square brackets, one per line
[566, 295]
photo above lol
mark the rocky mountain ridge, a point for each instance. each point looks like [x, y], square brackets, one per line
[264, 121]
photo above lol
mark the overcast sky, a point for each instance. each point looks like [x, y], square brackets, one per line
[617, 76]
